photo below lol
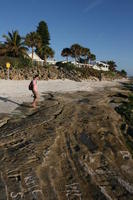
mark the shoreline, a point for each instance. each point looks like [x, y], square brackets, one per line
[13, 93]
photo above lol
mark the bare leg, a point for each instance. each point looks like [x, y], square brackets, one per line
[34, 103]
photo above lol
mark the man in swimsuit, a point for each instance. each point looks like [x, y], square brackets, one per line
[35, 91]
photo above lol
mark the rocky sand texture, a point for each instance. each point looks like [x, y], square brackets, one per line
[70, 148]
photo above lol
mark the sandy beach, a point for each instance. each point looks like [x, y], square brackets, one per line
[74, 143]
[13, 92]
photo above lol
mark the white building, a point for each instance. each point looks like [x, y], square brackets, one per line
[101, 66]
[39, 61]
[36, 58]
[75, 63]
[52, 61]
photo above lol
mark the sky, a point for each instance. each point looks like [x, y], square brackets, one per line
[104, 26]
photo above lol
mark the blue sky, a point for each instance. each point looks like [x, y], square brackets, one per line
[104, 26]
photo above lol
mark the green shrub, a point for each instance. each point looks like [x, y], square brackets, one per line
[88, 71]
[5, 59]
[112, 73]
[20, 62]
[67, 66]
[25, 62]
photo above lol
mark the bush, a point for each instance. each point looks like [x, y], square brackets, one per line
[20, 62]
[109, 74]
[88, 71]
[68, 66]
[25, 62]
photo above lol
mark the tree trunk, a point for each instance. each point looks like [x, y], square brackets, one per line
[89, 61]
[32, 55]
[75, 59]
[85, 62]
[45, 59]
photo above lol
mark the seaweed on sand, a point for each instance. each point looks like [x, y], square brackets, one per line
[126, 111]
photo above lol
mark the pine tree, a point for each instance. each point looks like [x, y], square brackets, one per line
[42, 30]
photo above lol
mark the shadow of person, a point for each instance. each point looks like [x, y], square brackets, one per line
[5, 99]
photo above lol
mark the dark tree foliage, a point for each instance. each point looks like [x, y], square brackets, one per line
[123, 72]
[14, 45]
[66, 52]
[42, 30]
[112, 65]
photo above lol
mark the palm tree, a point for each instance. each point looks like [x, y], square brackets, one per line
[14, 44]
[92, 57]
[50, 53]
[112, 65]
[85, 52]
[46, 52]
[33, 40]
[123, 73]
[66, 52]
[76, 51]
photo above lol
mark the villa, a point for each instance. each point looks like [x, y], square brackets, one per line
[98, 65]
[52, 61]
[36, 59]
[101, 66]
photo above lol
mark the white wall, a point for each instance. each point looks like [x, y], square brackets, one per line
[100, 68]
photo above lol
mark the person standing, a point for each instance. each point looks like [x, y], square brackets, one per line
[33, 88]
